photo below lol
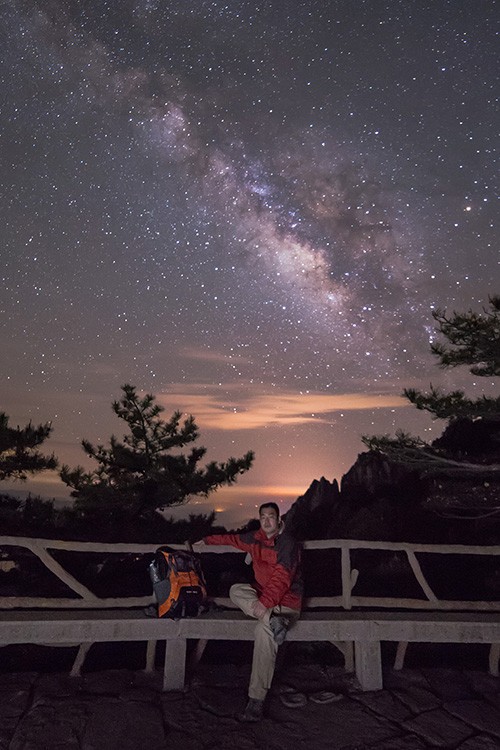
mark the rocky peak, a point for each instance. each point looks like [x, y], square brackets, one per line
[312, 512]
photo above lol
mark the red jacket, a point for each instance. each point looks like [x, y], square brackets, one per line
[276, 565]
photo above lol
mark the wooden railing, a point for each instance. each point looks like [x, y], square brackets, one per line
[349, 576]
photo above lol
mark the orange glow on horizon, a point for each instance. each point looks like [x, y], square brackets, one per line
[264, 490]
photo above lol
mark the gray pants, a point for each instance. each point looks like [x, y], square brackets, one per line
[265, 648]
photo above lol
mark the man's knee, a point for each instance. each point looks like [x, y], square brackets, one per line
[238, 591]
[234, 590]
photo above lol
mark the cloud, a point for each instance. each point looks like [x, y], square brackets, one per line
[232, 407]
[212, 355]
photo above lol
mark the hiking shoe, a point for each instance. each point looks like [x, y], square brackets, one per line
[254, 710]
[325, 696]
[292, 698]
[279, 626]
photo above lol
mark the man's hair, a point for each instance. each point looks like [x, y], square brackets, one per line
[270, 505]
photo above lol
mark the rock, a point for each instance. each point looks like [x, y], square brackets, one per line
[478, 714]
[447, 684]
[111, 682]
[193, 719]
[384, 499]
[483, 683]
[217, 702]
[46, 727]
[407, 716]
[314, 511]
[480, 742]
[56, 685]
[402, 679]
[116, 725]
[418, 699]
[405, 742]
[15, 700]
[438, 728]
[383, 703]
[469, 438]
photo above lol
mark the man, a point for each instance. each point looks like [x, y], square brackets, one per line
[274, 599]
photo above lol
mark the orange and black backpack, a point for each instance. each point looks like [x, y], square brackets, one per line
[178, 583]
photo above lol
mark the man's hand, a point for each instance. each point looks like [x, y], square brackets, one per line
[259, 610]
[199, 543]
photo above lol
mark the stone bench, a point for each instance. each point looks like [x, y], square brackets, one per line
[358, 634]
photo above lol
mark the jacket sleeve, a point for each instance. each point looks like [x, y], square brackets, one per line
[233, 540]
[282, 579]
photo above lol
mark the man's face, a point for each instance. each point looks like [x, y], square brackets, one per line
[269, 521]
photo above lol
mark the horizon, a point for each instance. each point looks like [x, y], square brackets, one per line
[234, 504]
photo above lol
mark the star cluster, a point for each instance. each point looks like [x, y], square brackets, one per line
[233, 205]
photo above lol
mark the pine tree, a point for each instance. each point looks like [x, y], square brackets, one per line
[472, 339]
[147, 471]
[19, 454]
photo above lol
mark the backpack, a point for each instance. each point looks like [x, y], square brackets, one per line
[178, 583]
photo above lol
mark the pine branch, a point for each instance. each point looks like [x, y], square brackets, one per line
[415, 453]
[18, 450]
[474, 339]
[452, 405]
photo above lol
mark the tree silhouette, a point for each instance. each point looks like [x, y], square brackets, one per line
[147, 471]
[19, 454]
[474, 340]
[471, 339]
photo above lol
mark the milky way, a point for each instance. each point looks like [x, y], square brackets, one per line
[230, 204]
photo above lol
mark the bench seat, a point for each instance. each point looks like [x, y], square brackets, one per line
[365, 629]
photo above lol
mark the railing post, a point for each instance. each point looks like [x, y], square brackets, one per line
[346, 576]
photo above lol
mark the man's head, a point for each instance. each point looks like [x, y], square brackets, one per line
[269, 517]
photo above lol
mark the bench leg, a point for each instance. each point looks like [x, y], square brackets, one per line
[150, 657]
[197, 654]
[494, 658]
[83, 650]
[346, 649]
[368, 661]
[400, 655]
[175, 664]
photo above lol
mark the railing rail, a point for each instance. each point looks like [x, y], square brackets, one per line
[41, 548]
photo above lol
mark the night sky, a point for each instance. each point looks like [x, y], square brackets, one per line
[249, 210]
